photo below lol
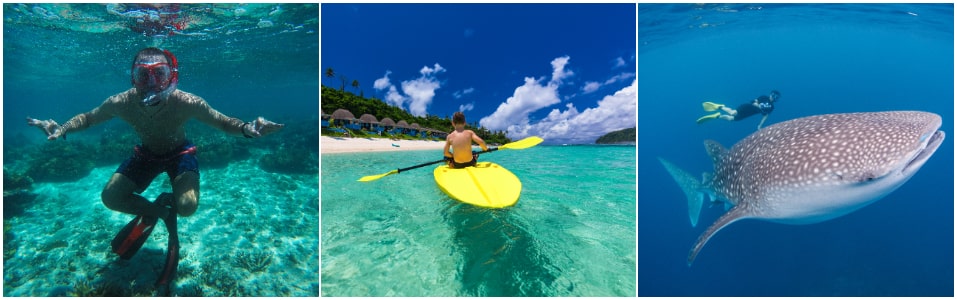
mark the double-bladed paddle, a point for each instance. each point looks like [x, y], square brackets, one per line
[521, 144]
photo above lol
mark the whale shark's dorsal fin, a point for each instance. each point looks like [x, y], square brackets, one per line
[715, 151]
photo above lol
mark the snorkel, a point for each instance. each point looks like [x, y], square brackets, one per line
[157, 79]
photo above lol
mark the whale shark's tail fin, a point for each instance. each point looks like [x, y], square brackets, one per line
[692, 188]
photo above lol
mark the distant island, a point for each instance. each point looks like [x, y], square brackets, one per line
[621, 137]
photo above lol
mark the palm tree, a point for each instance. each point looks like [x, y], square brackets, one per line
[342, 87]
[330, 73]
[355, 84]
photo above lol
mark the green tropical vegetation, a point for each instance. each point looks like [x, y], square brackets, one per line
[624, 136]
[332, 99]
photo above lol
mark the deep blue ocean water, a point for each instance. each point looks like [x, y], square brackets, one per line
[572, 232]
[823, 58]
[246, 61]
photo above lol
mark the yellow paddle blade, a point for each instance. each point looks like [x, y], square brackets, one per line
[376, 177]
[523, 143]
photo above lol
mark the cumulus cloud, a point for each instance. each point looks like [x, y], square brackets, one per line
[418, 93]
[558, 66]
[394, 97]
[528, 98]
[426, 71]
[590, 87]
[567, 124]
[466, 107]
[383, 83]
[614, 112]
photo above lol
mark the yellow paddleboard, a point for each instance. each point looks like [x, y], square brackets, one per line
[486, 184]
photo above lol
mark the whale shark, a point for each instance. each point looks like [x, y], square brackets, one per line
[810, 169]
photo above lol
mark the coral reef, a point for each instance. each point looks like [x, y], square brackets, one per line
[253, 262]
[216, 149]
[15, 146]
[290, 160]
[302, 134]
[53, 245]
[61, 161]
[190, 290]
[85, 288]
[214, 152]
[9, 247]
[216, 277]
[116, 145]
[17, 193]
[15, 182]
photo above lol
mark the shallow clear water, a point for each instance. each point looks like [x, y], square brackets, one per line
[572, 232]
[253, 60]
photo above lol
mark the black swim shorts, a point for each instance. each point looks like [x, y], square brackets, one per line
[144, 166]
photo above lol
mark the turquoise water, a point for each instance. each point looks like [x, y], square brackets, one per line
[572, 232]
[61, 237]
[255, 230]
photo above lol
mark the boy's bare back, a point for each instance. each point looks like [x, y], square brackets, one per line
[460, 141]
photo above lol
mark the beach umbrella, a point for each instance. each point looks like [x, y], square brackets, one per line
[387, 122]
[402, 124]
[415, 126]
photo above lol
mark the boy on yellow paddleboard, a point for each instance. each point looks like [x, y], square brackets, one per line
[460, 142]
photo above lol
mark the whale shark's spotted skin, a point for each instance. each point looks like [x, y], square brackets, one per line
[813, 169]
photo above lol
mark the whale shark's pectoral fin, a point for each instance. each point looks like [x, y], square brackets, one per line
[690, 186]
[736, 213]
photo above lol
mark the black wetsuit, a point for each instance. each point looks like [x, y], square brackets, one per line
[764, 107]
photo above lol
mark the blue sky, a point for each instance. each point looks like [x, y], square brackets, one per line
[565, 72]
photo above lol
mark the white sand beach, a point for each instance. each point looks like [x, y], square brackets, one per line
[345, 145]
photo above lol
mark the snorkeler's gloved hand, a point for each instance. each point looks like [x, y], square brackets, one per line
[261, 127]
[50, 127]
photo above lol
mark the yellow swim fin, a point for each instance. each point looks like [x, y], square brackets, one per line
[711, 106]
[708, 117]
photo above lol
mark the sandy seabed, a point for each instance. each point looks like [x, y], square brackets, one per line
[349, 145]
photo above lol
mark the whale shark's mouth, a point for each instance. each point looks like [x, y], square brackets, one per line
[929, 148]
